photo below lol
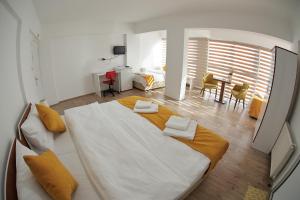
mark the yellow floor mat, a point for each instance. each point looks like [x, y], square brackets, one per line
[255, 194]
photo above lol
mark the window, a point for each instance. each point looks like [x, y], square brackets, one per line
[193, 58]
[196, 60]
[250, 64]
[164, 51]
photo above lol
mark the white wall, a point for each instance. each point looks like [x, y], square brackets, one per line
[296, 28]
[17, 80]
[247, 37]
[70, 52]
[133, 51]
[13, 62]
[150, 55]
[295, 117]
[176, 63]
[253, 22]
[290, 188]
[30, 23]
[145, 50]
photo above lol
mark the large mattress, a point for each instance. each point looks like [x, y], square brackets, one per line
[67, 153]
[127, 157]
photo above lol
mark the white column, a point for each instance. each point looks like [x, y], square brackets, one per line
[133, 51]
[176, 63]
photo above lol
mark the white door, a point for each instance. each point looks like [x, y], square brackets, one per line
[35, 67]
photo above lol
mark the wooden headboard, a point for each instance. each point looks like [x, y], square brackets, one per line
[10, 190]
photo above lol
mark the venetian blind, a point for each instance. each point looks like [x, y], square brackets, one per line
[197, 50]
[250, 64]
[163, 51]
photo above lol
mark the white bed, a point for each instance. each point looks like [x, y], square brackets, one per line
[114, 153]
[159, 80]
[65, 150]
[127, 157]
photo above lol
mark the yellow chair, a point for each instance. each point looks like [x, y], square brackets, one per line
[208, 82]
[239, 92]
[164, 68]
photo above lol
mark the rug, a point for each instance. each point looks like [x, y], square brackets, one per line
[255, 194]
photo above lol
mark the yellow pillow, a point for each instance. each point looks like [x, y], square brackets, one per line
[51, 119]
[52, 175]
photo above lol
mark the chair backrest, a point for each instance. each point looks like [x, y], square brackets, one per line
[246, 86]
[208, 77]
[238, 87]
[111, 75]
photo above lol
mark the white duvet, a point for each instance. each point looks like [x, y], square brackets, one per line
[127, 157]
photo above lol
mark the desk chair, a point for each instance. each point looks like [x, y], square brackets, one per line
[110, 79]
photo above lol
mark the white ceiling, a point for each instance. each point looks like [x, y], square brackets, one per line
[55, 11]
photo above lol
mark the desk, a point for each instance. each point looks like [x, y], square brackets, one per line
[223, 81]
[99, 86]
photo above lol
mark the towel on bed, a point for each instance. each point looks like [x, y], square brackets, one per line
[189, 133]
[153, 109]
[142, 104]
[179, 123]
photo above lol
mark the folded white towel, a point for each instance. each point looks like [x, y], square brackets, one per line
[153, 109]
[188, 134]
[142, 104]
[179, 123]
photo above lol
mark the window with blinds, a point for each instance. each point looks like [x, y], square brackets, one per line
[192, 58]
[196, 60]
[164, 51]
[251, 64]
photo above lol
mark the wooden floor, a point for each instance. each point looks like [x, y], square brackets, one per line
[241, 165]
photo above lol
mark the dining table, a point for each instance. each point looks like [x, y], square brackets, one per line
[223, 81]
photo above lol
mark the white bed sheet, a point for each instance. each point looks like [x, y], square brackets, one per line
[127, 157]
[67, 153]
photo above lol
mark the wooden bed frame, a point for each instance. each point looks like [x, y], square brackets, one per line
[10, 190]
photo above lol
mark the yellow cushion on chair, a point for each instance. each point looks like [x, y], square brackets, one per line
[51, 119]
[52, 175]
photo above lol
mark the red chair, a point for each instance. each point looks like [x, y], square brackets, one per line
[110, 79]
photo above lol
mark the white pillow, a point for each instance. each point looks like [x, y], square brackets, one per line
[27, 186]
[38, 137]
